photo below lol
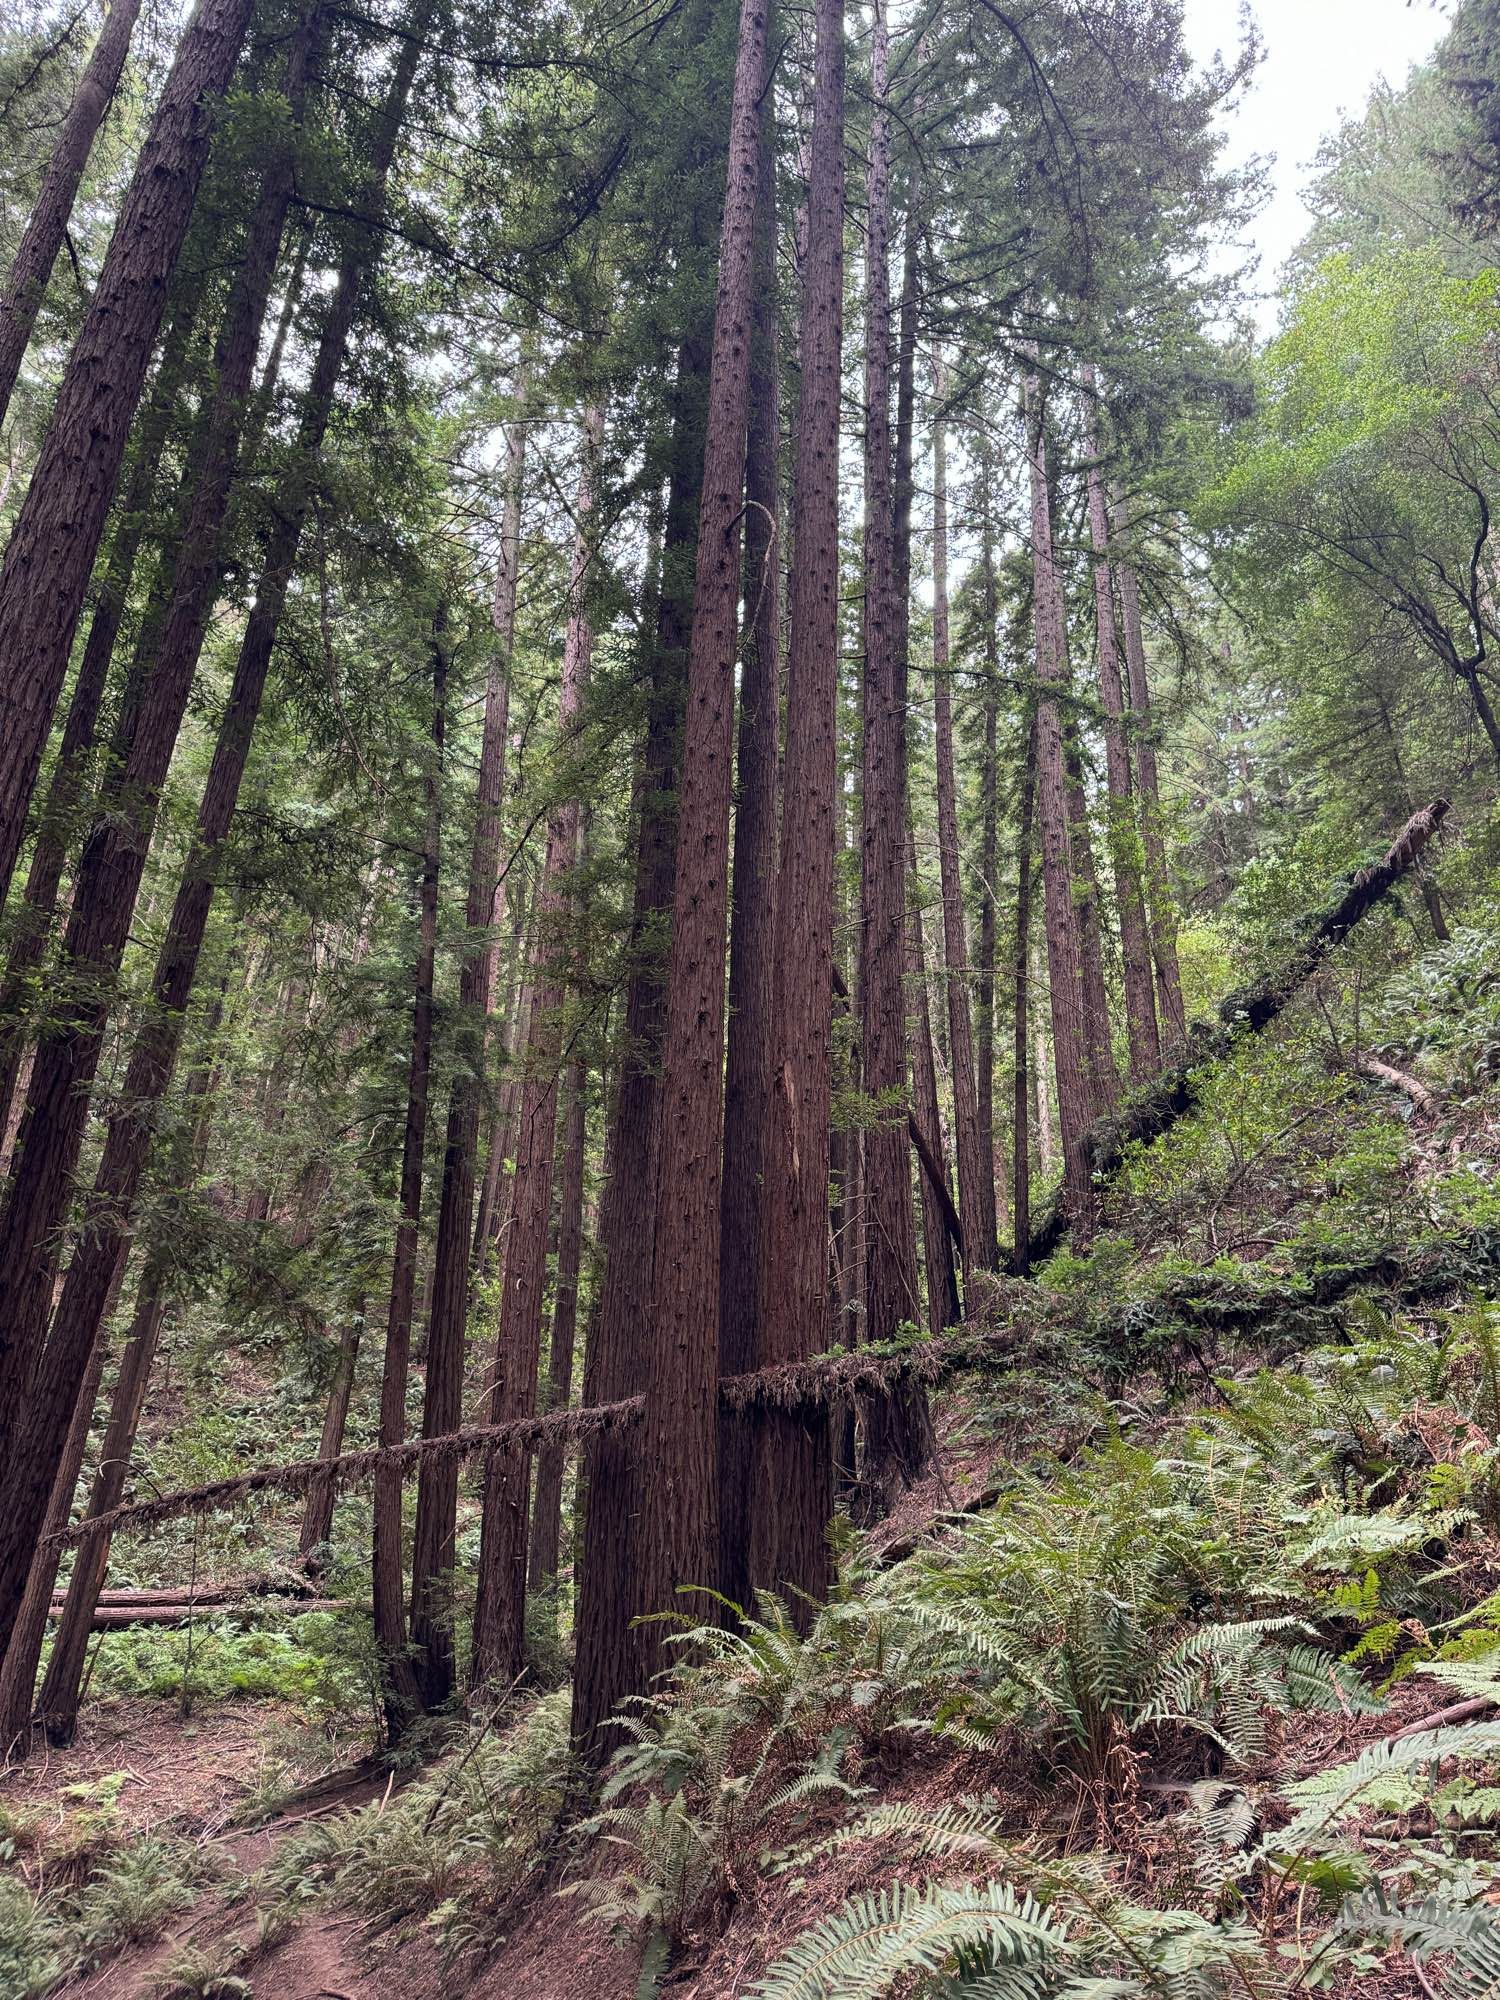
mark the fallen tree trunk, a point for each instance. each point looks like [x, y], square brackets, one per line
[1149, 1112]
[118, 1617]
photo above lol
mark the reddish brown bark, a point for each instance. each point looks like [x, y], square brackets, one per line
[114, 856]
[898, 1431]
[26, 282]
[606, 1664]
[500, 1594]
[974, 1144]
[1173, 1013]
[1124, 839]
[51, 551]
[55, 830]
[677, 1538]
[747, 1074]
[790, 1493]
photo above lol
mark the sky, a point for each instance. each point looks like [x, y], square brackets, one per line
[1320, 60]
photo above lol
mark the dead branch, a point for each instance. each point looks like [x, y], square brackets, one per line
[1147, 1113]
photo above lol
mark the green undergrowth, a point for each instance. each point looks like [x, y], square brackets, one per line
[1126, 1731]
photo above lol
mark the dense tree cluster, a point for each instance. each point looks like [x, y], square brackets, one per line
[631, 640]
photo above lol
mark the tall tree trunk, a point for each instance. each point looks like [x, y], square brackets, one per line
[500, 1594]
[898, 1430]
[26, 1636]
[55, 829]
[1124, 838]
[114, 856]
[747, 1075]
[1173, 1014]
[975, 1143]
[1064, 955]
[677, 1546]
[1021, 1098]
[26, 282]
[70, 1643]
[607, 1663]
[944, 1308]
[401, 1694]
[790, 1489]
[503, 601]
[442, 1402]
[989, 839]
[57, 1704]
[546, 1507]
[51, 551]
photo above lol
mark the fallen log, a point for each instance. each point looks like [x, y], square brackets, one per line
[120, 1617]
[1146, 1114]
[788, 1385]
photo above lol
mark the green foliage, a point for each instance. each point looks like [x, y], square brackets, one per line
[321, 1663]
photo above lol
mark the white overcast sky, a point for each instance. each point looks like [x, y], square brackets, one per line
[1320, 59]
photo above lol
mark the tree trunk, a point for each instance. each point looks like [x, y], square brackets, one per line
[944, 1308]
[500, 1594]
[18, 1673]
[57, 1704]
[1124, 838]
[1064, 953]
[790, 1489]
[51, 552]
[402, 1697]
[1021, 1100]
[546, 1506]
[747, 1075]
[109, 875]
[503, 602]
[66, 1665]
[1172, 1012]
[317, 1516]
[26, 283]
[607, 1664]
[1099, 1055]
[898, 1432]
[678, 1546]
[975, 1142]
[989, 849]
[114, 856]
[442, 1402]
[55, 830]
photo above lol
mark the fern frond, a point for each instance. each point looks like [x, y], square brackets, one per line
[860, 1951]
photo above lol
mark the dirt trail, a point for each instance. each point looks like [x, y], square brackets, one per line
[318, 1960]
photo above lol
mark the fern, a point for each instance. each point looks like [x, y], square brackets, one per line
[874, 1940]
[1468, 1936]
[1382, 1775]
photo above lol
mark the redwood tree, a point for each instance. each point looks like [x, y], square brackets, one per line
[26, 281]
[677, 1542]
[790, 1496]
[975, 1147]
[51, 552]
[500, 1594]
